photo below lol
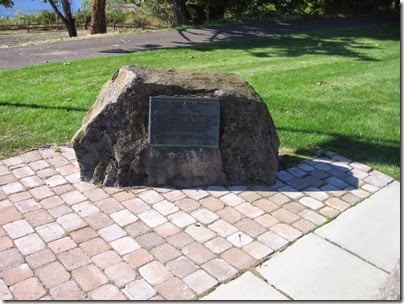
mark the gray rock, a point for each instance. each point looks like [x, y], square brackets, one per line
[390, 290]
[112, 146]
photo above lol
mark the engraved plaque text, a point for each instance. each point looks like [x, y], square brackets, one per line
[184, 121]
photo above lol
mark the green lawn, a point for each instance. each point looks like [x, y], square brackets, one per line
[331, 90]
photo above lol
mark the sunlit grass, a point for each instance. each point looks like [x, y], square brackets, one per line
[331, 90]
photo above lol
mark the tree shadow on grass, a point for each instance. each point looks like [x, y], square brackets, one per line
[341, 43]
[361, 149]
[43, 107]
[319, 36]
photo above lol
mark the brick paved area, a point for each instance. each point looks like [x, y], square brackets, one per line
[61, 238]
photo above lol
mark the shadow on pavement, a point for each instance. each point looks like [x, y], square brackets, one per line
[313, 175]
[142, 47]
[277, 42]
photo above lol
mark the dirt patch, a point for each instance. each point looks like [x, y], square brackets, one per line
[23, 38]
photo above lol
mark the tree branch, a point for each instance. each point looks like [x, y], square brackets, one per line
[57, 11]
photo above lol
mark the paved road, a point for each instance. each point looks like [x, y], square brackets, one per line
[16, 57]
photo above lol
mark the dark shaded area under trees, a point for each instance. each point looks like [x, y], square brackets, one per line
[194, 12]
[201, 11]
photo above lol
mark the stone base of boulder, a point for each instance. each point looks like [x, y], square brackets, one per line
[391, 288]
[113, 148]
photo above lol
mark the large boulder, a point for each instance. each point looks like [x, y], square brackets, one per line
[390, 289]
[113, 148]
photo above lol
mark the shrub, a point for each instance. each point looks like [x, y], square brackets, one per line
[162, 10]
[117, 16]
[83, 18]
[47, 17]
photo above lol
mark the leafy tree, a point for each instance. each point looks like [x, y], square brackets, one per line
[66, 16]
[360, 7]
[6, 3]
[113, 10]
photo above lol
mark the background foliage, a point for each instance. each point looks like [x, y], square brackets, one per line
[202, 11]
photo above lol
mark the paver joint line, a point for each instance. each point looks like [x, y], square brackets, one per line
[195, 239]
[351, 252]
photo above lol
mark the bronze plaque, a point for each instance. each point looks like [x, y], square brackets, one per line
[184, 121]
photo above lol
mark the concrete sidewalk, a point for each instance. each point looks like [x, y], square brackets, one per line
[346, 259]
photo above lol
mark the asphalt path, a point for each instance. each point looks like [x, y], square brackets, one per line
[15, 57]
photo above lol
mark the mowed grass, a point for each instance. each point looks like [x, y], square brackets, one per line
[334, 90]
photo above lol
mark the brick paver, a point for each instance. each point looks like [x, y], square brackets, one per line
[16, 274]
[139, 290]
[106, 259]
[30, 289]
[52, 275]
[67, 291]
[200, 233]
[73, 259]
[152, 218]
[220, 269]
[106, 292]
[29, 244]
[89, 277]
[94, 247]
[252, 228]
[64, 239]
[218, 245]
[40, 258]
[18, 229]
[155, 272]
[200, 281]
[149, 240]
[257, 250]
[181, 267]
[175, 289]
[5, 292]
[125, 245]
[111, 233]
[62, 245]
[238, 258]
[121, 274]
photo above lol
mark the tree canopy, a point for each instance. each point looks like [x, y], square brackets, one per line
[64, 13]
[200, 11]
[183, 12]
[7, 3]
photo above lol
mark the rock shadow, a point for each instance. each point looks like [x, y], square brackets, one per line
[311, 175]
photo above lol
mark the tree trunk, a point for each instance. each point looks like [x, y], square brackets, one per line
[67, 18]
[70, 22]
[181, 12]
[98, 23]
[71, 28]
